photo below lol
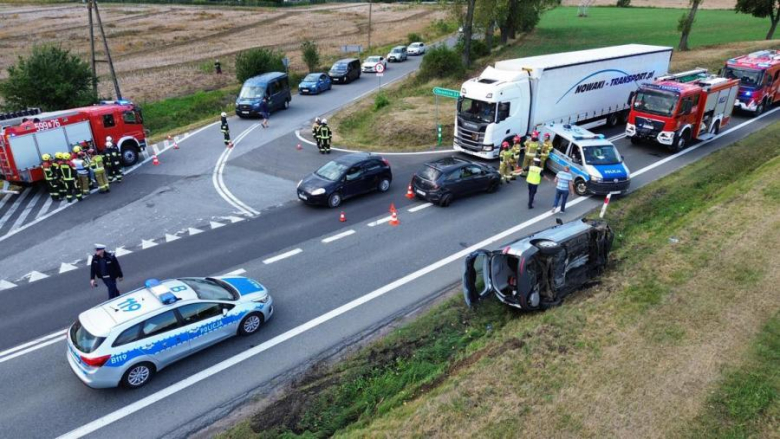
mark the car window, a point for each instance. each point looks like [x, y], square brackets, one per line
[454, 175]
[160, 323]
[430, 173]
[252, 92]
[83, 339]
[210, 289]
[503, 111]
[284, 84]
[323, 77]
[108, 120]
[196, 312]
[331, 171]
[273, 88]
[475, 170]
[575, 155]
[311, 77]
[354, 172]
[128, 336]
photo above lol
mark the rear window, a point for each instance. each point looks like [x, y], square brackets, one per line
[430, 173]
[83, 340]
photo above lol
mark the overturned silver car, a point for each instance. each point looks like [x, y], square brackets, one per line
[538, 271]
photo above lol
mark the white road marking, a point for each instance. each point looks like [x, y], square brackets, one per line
[420, 207]
[89, 259]
[194, 231]
[147, 243]
[121, 251]
[286, 255]
[32, 349]
[219, 182]
[14, 207]
[338, 236]
[35, 276]
[238, 272]
[380, 221]
[5, 285]
[45, 208]
[215, 225]
[65, 267]
[3, 199]
[233, 219]
[32, 343]
[169, 237]
[23, 216]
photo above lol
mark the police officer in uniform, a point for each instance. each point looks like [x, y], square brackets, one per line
[52, 178]
[534, 179]
[105, 266]
[315, 131]
[325, 136]
[225, 128]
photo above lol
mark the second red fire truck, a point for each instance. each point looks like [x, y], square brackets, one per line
[23, 144]
[759, 77]
[677, 109]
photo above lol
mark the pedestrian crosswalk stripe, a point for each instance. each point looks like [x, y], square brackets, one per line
[9, 213]
[23, 216]
[45, 208]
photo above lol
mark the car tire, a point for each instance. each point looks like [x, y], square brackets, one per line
[715, 130]
[446, 200]
[547, 247]
[250, 324]
[493, 187]
[138, 375]
[286, 104]
[384, 185]
[334, 200]
[612, 120]
[635, 140]
[580, 187]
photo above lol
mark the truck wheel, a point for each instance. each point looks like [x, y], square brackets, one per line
[580, 187]
[680, 141]
[635, 140]
[759, 109]
[624, 117]
[612, 120]
[129, 154]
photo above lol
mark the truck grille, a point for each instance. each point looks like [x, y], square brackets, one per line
[645, 126]
[244, 107]
[469, 139]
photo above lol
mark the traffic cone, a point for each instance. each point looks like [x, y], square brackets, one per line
[230, 144]
[155, 161]
[394, 219]
[299, 147]
[175, 145]
[342, 217]
[409, 193]
[392, 207]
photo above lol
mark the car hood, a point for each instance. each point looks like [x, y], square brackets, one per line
[314, 181]
[371, 64]
[244, 285]
[307, 83]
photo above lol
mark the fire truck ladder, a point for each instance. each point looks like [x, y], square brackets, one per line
[689, 76]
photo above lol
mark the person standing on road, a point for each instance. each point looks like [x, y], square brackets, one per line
[82, 173]
[105, 266]
[325, 135]
[225, 128]
[218, 67]
[68, 178]
[517, 149]
[531, 146]
[563, 187]
[264, 110]
[315, 131]
[112, 154]
[534, 179]
[547, 148]
[49, 173]
[100, 173]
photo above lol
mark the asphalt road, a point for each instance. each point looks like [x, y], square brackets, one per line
[326, 295]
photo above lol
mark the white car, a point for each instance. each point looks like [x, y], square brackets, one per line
[417, 48]
[370, 63]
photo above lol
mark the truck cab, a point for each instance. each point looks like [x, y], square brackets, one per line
[595, 163]
[759, 80]
[680, 108]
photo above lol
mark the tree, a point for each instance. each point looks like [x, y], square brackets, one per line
[761, 9]
[50, 78]
[468, 27]
[686, 24]
[311, 55]
[257, 61]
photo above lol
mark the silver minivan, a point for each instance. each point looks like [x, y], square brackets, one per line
[397, 54]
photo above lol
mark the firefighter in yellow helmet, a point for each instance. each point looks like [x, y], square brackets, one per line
[111, 153]
[517, 150]
[531, 147]
[51, 174]
[68, 175]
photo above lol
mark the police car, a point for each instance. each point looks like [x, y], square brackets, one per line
[595, 163]
[126, 340]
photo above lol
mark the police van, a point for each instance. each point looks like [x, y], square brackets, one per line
[595, 163]
[126, 340]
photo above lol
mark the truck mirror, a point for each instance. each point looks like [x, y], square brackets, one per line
[631, 98]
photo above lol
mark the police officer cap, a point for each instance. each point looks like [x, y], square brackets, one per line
[100, 247]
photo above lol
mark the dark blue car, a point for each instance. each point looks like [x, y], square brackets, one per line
[273, 86]
[314, 83]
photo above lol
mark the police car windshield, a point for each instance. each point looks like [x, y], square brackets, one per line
[476, 111]
[83, 340]
[332, 171]
[750, 78]
[210, 289]
[252, 92]
[601, 155]
[655, 102]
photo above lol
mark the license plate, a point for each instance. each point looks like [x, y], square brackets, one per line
[244, 112]
[420, 192]
[303, 197]
[304, 91]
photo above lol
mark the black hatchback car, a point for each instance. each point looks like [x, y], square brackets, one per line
[445, 179]
[345, 177]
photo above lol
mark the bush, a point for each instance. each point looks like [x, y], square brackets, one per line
[443, 27]
[50, 78]
[257, 61]
[623, 3]
[381, 101]
[441, 62]
[529, 15]
[478, 48]
[413, 37]
[311, 55]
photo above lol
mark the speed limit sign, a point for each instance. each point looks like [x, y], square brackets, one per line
[379, 68]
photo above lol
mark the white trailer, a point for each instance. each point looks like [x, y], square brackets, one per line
[516, 96]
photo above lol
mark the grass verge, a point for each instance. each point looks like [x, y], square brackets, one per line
[408, 122]
[174, 115]
[636, 355]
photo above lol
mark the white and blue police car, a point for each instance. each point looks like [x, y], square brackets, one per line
[126, 340]
[595, 163]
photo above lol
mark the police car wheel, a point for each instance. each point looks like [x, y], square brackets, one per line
[580, 187]
[138, 375]
[250, 324]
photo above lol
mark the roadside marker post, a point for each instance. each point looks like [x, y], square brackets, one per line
[606, 203]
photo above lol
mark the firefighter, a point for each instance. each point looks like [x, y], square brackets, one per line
[517, 149]
[505, 158]
[112, 154]
[82, 174]
[58, 173]
[315, 131]
[325, 136]
[52, 179]
[100, 173]
[547, 147]
[531, 146]
[225, 128]
[218, 67]
[81, 151]
[68, 178]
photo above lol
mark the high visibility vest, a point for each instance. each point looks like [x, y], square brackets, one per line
[534, 175]
[97, 164]
[531, 147]
[48, 172]
[67, 171]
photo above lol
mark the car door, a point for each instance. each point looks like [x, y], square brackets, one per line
[204, 323]
[454, 183]
[372, 173]
[274, 91]
[575, 159]
[162, 338]
[353, 181]
[476, 180]
[322, 84]
[557, 156]
[476, 278]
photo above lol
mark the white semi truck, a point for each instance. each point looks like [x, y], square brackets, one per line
[516, 96]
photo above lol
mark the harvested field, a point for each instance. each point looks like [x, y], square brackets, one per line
[709, 4]
[161, 51]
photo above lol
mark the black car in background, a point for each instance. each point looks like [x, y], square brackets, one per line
[345, 70]
[345, 177]
[443, 180]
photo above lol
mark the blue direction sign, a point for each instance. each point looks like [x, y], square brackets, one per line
[446, 92]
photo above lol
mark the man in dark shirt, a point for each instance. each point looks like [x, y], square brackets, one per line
[106, 267]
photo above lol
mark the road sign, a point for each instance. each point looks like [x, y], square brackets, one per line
[380, 74]
[352, 48]
[286, 62]
[446, 92]
[379, 67]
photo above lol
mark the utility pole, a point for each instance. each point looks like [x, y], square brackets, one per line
[370, 4]
[93, 3]
[92, 48]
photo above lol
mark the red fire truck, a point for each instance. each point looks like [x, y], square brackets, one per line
[759, 77]
[676, 109]
[22, 145]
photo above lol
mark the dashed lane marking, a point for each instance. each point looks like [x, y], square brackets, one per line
[285, 255]
[121, 251]
[5, 285]
[194, 231]
[4, 354]
[171, 238]
[420, 207]
[380, 221]
[338, 236]
[215, 225]
[35, 276]
[238, 272]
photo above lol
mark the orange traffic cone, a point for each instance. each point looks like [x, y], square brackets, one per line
[155, 161]
[392, 207]
[175, 145]
[299, 147]
[230, 144]
[394, 219]
[342, 217]
[409, 193]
